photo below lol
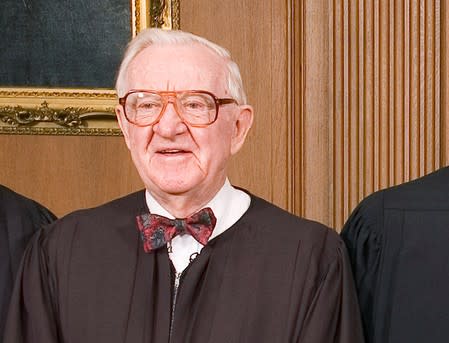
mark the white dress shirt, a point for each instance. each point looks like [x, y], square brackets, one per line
[229, 205]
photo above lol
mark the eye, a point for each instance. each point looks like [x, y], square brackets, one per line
[194, 105]
[148, 106]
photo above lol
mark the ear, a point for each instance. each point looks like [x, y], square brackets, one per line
[123, 123]
[242, 124]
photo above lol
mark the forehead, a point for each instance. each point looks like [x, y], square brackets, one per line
[177, 67]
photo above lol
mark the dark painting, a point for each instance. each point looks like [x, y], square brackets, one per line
[62, 43]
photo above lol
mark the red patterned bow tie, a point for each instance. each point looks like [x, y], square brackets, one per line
[156, 231]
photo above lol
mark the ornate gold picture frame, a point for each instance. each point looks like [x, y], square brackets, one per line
[81, 111]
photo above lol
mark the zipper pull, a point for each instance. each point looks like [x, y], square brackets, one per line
[177, 280]
[175, 294]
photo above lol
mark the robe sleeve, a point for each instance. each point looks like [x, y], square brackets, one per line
[362, 236]
[32, 311]
[20, 218]
[334, 315]
[21, 226]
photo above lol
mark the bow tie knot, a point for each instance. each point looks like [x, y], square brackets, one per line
[180, 225]
[156, 231]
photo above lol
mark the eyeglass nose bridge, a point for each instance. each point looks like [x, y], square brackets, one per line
[169, 97]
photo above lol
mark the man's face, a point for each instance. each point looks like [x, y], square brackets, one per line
[172, 157]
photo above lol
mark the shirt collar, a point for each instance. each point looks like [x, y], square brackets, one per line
[228, 205]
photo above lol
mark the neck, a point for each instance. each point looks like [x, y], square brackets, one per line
[183, 205]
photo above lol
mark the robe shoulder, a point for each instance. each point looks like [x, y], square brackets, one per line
[109, 216]
[366, 227]
[280, 227]
[383, 236]
[110, 227]
[429, 192]
[109, 212]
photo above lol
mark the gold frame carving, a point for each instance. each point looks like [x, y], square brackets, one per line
[65, 111]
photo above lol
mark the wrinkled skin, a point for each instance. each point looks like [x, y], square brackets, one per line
[182, 166]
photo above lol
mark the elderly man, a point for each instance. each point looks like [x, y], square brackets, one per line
[191, 258]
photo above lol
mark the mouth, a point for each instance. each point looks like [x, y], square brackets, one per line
[172, 152]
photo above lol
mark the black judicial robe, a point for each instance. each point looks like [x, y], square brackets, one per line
[398, 243]
[20, 217]
[271, 277]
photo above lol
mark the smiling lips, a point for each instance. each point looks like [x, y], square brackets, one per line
[172, 151]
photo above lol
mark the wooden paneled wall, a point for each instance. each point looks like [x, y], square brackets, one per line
[385, 96]
[309, 143]
[66, 173]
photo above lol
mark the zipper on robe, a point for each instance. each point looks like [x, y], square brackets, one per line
[174, 296]
[176, 284]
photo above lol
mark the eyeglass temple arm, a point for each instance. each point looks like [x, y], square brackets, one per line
[226, 101]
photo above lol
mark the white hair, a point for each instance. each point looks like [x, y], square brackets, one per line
[149, 37]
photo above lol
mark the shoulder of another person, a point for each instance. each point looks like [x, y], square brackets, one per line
[429, 192]
[12, 198]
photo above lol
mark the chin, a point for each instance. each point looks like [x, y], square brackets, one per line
[175, 186]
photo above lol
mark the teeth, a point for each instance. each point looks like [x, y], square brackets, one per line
[171, 151]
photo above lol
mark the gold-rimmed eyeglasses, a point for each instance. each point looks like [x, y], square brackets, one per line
[195, 107]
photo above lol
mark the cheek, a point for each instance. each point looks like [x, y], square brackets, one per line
[140, 138]
[217, 145]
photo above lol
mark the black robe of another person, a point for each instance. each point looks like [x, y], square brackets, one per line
[20, 217]
[271, 277]
[398, 243]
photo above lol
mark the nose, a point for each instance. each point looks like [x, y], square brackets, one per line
[170, 122]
